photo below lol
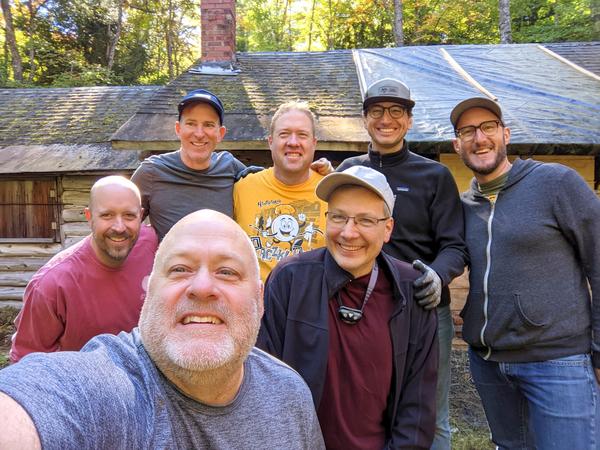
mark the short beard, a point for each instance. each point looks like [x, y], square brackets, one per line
[500, 157]
[115, 255]
[197, 363]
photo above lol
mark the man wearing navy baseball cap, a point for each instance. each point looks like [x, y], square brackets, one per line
[428, 222]
[201, 96]
[195, 176]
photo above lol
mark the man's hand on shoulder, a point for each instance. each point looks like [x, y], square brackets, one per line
[322, 166]
[247, 171]
[428, 287]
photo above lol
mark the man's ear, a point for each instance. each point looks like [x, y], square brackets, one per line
[88, 214]
[456, 145]
[222, 132]
[506, 132]
[389, 227]
[261, 301]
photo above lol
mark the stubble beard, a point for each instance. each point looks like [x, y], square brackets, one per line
[117, 255]
[198, 362]
[490, 168]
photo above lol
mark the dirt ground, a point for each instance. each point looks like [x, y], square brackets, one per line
[7, 328]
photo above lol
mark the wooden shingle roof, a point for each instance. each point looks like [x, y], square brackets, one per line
[584, 54]
[81, 115]
[66, 129]
[327, 80]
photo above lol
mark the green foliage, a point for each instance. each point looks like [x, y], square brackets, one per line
[68, 42]
[351, 24]
[88, 75]
[551, 20]
[266, 25]
[337, 24]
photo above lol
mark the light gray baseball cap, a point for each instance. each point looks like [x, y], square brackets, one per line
[474, 102]
[388, 90]
[358, 176]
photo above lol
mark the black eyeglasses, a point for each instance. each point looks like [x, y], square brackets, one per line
[340, 220]
[489, 128]
[377, 111]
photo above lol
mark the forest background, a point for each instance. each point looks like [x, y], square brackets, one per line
[132, 42]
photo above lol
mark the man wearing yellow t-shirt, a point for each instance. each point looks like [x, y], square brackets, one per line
[277, 207]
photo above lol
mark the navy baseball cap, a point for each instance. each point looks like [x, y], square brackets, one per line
[202, 96]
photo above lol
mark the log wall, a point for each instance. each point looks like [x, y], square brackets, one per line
[19, 261]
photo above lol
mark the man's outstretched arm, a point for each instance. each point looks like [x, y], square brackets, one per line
[17, 430]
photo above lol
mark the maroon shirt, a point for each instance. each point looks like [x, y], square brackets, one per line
[359, 369]
[75, 297]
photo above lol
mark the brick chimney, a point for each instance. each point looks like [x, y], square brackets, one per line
[218, 31]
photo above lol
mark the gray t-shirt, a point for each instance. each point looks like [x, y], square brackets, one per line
[111, 396]
[171, 190]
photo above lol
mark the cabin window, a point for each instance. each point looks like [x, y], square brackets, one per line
[29, 210]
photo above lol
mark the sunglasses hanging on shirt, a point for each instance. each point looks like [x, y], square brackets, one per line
[352, 316]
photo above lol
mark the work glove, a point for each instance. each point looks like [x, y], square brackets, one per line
[428, 287]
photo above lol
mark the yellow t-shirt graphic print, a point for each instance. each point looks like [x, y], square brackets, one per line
[280, 220]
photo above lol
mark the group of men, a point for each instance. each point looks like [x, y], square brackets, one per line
[354, 264]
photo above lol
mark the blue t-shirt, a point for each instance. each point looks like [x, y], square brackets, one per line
[111, 396]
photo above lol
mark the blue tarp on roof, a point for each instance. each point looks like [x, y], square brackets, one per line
[539, 94]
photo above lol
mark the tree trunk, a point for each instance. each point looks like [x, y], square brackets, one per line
[504, 19]
[17, 63]
[32, 9]
[311, 23]
[398, 23]
[595, 17]
[169, 37]
[112, 44]
[288, 8]
[331, 16]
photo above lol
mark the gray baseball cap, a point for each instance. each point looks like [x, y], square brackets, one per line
[474, 102]
[388, 90]
[357, 176]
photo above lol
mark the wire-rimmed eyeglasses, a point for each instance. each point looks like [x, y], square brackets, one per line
[340, 220]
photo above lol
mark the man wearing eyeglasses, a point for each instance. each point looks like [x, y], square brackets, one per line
[428, 221]
[344, 317]
[531, 320]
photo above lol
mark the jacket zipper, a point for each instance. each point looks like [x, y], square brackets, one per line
[486, 276]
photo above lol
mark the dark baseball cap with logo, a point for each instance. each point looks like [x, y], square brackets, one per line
[474, 102]
[388, 90]
[202, 96]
